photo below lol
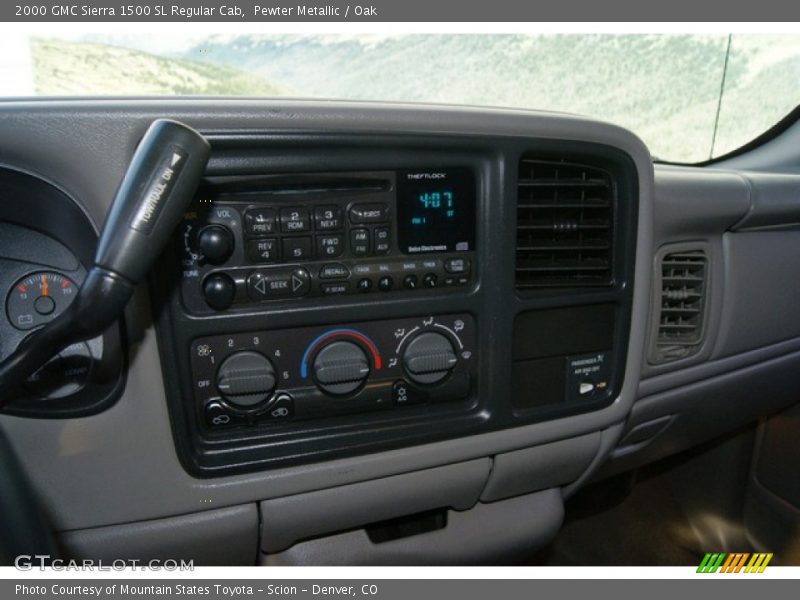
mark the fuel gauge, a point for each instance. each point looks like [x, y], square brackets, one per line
[39, 298]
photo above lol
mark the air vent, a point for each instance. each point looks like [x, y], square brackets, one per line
[564, 225]
[683, 289]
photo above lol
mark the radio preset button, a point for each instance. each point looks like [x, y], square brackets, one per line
[334, 271]
[295, 220]
[296, 248]
[328, 218]
[369, 213]
[456, 265]
[260, 221]
[381, 235]
[330, 246]
[359, 241]
[265, 250]
[278, 283]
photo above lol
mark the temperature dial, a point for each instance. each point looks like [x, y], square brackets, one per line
[39, 298]
[341, 368]
[246, 379]
[429, 358]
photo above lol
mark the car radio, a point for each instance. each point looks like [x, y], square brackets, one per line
[248, 240]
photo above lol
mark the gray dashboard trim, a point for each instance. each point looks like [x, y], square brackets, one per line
[227, 536]
[667, 381]
[287, 520]
[85, 147]
[494, 533]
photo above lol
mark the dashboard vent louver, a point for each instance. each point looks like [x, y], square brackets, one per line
[683, 290]
[564, 225]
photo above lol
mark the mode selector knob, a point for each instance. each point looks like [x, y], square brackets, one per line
[341, 368]
[429, 358]
[246, 378]
[215, 243]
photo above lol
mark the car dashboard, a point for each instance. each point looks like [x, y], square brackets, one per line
[382, 334]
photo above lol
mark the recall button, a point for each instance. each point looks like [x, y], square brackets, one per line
[334, 271]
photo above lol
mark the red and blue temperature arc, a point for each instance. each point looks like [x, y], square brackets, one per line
[345, 333]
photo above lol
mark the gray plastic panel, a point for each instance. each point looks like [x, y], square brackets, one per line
[762, 285]
[693, 209]
[693, 203]
[494, 533]
[539, 468]
[708, 408]
[775, 201]
[85, 147]
[228, 536]
[287, 520]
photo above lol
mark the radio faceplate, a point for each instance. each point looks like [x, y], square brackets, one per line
[251, 240]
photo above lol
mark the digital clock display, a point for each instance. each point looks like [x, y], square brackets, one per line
[436, 211]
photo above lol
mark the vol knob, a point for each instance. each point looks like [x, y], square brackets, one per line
[246, 378]
[429, 358]
[215, 243]
[341, 368]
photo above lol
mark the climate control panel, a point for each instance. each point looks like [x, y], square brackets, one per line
[271, 377]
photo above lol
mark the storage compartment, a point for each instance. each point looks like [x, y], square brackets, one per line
[542, 467]
[285, 521]
[497, 533]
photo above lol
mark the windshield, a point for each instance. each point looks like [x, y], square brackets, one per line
[689, 97]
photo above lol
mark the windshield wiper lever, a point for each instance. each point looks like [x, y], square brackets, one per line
[161, 180]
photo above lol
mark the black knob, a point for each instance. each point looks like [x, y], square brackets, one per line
[341, 368]
[219, 291]
[430, 280]
[246, 379]
[429, 358]
[215, 243]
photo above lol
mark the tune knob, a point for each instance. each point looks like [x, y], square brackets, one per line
[246, 378]
[215, 243]
[219, 290]
[341, 368]
[429, 358]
